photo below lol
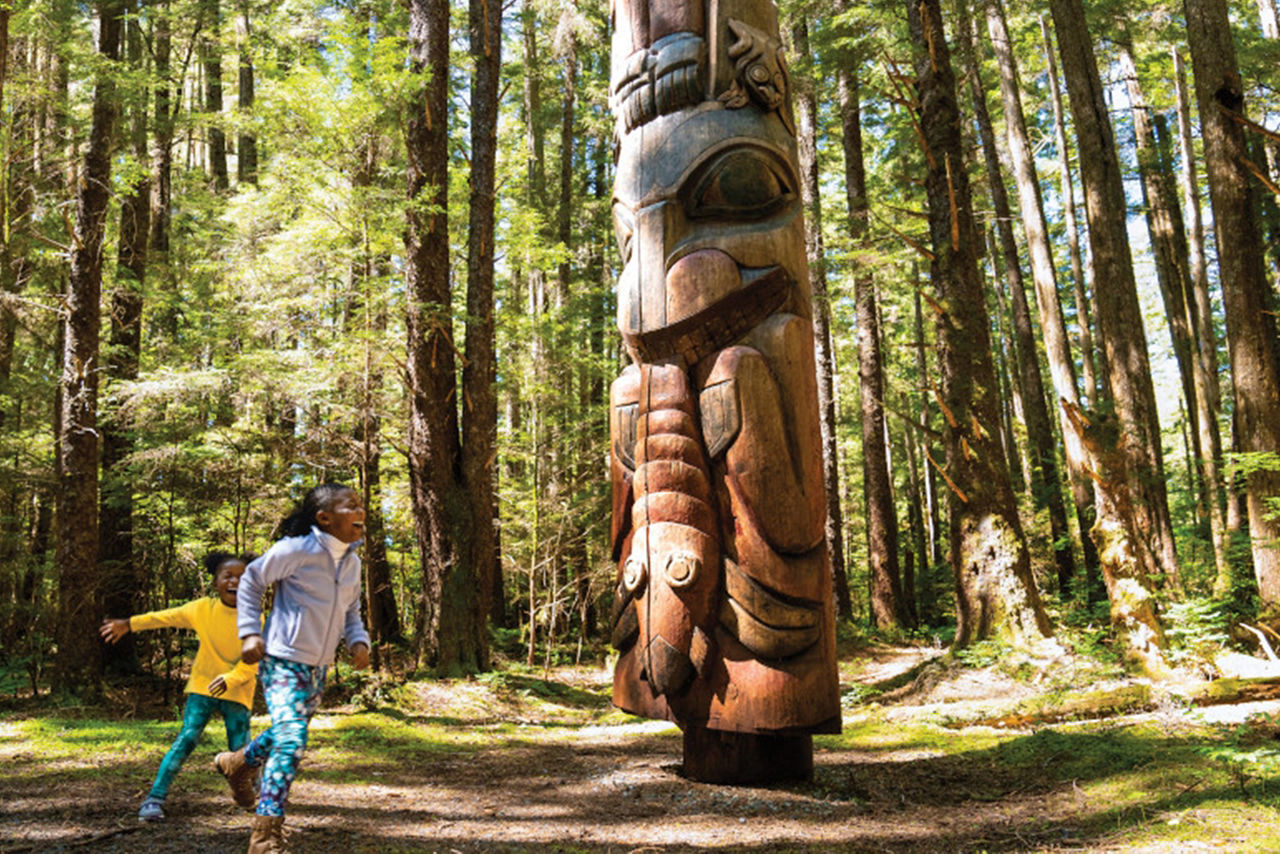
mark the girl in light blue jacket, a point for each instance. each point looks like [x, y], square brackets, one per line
[316, 574]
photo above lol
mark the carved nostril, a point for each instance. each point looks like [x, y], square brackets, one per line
[698, 280]
[634, 574]
[682, 569]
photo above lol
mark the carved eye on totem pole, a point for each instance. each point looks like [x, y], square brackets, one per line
[722, 614]
[743, 184]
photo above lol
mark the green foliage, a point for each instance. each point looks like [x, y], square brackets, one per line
[1247, 463]
[1196, 628]
[984, 653]
[1249, 751]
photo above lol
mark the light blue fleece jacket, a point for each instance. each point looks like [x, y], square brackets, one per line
[317, 600]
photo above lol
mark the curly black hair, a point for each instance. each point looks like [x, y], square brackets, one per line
[214, 560]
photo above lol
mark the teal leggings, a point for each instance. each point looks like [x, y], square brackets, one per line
[195, 717]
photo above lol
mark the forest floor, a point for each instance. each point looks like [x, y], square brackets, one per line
[937, 755]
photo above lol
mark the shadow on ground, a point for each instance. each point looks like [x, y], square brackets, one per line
[375, 783]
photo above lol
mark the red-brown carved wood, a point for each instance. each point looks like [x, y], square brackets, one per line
[723, 613]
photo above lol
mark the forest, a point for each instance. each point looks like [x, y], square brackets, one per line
[249, 247]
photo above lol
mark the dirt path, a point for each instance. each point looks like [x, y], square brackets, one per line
[610, 788]
[581, 788]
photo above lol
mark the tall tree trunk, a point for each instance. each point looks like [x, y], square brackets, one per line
[120, 574]
[569, 556]
[380, 598]
[453, 630]
[930, 480]
[806, 120]
[1041, 444]
[887, 606]
[1083, 314]
[1182, 304]
[79, 650]
[384, 614]
[1251, 327]
[1270, 20]
[162, 151]
[246, 143]
[536, 166]
[480, 415]
[1011, 408]
[211, 61]
[1164, 225]
[1044, 276]
[1128, 371]
[15, 241]
[995, 591]
[921, 601]
[535, 300]
[1204, 338]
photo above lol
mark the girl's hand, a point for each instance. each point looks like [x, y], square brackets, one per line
[217, 686]
[252, 650]
[360, 656]
[113, 630]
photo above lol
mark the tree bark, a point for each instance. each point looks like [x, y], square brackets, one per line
[1204, 337]
[380, 598]
[480, 414]
[1044, 277]
[824, 355]
[453, 634]
[246, 143]
[995, 592]
[1128, 371]
[569, 550]
[79, 650]
[1083, 314]
[1251, 327]
[121, 576]
[1042, 446]
[932, 503]
[1123, 556]
[1011, 407]
[921, 600]
[15, 243]
[1164, 225]
[162, 152]
[211, 59]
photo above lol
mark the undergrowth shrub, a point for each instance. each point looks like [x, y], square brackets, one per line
[1196, 629]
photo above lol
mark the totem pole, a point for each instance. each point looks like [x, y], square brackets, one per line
[723, 613]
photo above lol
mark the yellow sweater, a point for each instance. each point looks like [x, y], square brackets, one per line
[219, 651]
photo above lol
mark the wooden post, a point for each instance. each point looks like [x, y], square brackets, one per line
[723, 612]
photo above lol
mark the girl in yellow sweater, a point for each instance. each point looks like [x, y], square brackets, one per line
[220, 682]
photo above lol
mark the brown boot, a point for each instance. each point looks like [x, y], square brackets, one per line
[268, 835]
[239, 774]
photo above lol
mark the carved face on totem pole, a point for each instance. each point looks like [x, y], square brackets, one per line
[723, 615]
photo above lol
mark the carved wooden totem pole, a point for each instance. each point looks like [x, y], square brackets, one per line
[723, 614]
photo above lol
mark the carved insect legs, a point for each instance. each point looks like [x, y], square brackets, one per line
[722, 612]
[671, 570]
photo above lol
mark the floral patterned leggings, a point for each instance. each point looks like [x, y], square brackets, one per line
[292, 693]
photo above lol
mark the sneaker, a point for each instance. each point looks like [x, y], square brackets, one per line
[152, 809]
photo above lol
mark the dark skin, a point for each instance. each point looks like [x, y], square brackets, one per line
[225, 582]
[343, 519]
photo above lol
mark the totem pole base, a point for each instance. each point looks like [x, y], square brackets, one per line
[738, 758]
